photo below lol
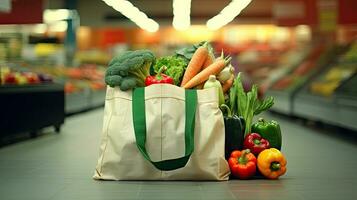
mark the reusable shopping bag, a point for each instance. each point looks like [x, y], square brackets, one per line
[162, 132]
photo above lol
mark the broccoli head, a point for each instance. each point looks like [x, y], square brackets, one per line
[129, 69]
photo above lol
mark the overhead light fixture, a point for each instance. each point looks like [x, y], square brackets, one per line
[134, 14]
[232, 10]
[39, 28]
[182, 11]
[53, 15]
[59, 26]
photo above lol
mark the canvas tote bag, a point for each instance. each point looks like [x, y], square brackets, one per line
[162, 132]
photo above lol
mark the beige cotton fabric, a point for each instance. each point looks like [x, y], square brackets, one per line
[120, 158]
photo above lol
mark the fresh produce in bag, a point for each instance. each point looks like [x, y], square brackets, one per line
[195, 64]
[186, 53]
[130, 69]
[213, 69]
[175, 67]
[159, 78]
[226, 74]
[212, 82]
[195, 67]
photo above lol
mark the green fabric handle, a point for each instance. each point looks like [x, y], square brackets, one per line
[139, 120]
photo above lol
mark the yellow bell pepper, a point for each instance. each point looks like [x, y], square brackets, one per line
[271, 163]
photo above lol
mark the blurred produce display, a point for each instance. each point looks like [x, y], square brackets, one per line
[10, 45]
[74, 78]
[329, 81]
[339, 71]
[319, 57]
[351, 54]
[9, 76]
[93, 56]
[259, 61]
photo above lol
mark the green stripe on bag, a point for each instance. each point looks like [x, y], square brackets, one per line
[139, 120]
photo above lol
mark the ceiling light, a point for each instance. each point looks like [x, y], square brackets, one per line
[55, 15]
[134, 14]
[60, 26]
[181, 10]
[40, 28]
[232, 10]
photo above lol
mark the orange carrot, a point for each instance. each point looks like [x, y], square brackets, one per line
[195, 64]
[213, 69]
[228, 84]
[209, 60]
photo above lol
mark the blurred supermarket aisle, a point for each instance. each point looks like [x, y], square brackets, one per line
[59, 166]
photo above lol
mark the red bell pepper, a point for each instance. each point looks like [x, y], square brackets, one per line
[255, 143]
[159, 78]
[243, 164]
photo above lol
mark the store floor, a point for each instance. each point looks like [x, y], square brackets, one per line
[60, 166]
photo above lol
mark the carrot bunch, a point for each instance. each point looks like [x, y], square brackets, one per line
[201, 66]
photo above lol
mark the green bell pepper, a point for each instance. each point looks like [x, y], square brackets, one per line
[269, 131]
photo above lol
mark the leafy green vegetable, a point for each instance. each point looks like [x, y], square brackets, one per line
[187, 52]
[129, 69]
[264, 105]
[176, 67]
[252, 99]
[241, 96]
[245, 104]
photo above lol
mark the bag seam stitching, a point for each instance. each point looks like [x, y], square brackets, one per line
[106, 143]
[161, 129]
[199, 101]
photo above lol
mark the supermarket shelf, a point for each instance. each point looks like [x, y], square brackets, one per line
[338, 108]
[346, 116]
[299, 75]
[314, 107]
[283, 101]
[335, 110]
[84, 100]
[77, 101]
[29, 108]
[346, 100]
[97, 98]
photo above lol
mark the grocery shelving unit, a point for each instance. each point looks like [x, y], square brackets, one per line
[340, 109]
[84, 100]
[97, 98]
[283, 101]
[336, 107]
[346, 101]
[314, 107]
[285, 98]
[29, 108]
[84, 87]
[77, 101]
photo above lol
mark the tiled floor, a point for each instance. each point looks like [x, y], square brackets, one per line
[60, 167]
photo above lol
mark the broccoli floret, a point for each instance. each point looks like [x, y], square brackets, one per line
[129, 66]
[114, 80]
[127, 83]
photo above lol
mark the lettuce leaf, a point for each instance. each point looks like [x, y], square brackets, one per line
[176, 67]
